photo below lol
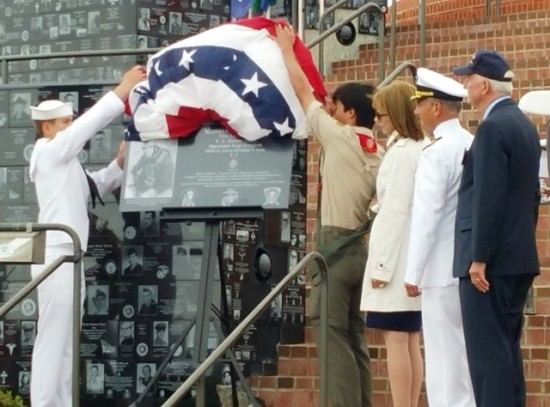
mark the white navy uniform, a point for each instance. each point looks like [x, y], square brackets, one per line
[430, 257]
[63, 192]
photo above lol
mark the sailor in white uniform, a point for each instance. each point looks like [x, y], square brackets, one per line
[430, 254]
[63, 190]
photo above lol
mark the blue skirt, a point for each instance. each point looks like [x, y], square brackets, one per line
[406, 321]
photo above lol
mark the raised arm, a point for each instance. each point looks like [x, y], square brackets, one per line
[130, 79]
[285, 39]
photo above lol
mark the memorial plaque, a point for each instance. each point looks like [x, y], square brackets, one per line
[94, 374]
[7, 290]
[99, 339]
[20, 101]
[18, 213]
[173, 375]
[24, 378]
[156, 262]
[211, 169]
[29, 189]
[120, 380]
[15, 272]
[17, 145]
[8, 373]
[123, 299]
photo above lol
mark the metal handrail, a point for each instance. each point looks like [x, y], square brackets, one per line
[26, 290]
[256, 312]
[323, 34]
[6, 59]
[397, 71]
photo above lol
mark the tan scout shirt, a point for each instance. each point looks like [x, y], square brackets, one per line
[348, 173]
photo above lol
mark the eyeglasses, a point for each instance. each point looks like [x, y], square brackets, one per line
[379, 115]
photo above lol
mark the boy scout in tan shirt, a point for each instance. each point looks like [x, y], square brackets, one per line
[349, 164]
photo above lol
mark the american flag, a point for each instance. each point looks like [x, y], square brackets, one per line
[233, 74]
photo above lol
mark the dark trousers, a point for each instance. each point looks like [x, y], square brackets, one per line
[349, 376]
[492, 329]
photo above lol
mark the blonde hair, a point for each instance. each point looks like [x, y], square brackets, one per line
[395, 100]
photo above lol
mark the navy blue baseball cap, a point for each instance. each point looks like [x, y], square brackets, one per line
[489, 64]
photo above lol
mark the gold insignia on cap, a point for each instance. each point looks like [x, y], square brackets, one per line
[418, 94]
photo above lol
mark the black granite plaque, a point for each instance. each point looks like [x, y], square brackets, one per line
[20, 102]
[99, 339]
[211, 169]
[120, 380]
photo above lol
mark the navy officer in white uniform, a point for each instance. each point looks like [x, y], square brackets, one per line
[430, 256]
[63, 190]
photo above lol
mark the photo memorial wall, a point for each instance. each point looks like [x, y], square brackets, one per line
[367, 22]
[142, 271]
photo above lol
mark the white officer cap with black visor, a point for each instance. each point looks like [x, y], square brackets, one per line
[430, 84]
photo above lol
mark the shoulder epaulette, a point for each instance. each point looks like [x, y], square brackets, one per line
[432, 143]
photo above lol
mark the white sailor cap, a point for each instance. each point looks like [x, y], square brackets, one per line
[430, 84]
[51, 109]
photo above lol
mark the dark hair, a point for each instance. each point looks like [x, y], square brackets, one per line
[131, 251]
[357, 96]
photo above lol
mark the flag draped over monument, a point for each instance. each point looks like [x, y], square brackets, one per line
[233, 74]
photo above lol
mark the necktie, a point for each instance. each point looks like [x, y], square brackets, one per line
[94, 192]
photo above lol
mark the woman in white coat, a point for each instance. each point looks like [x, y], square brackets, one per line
[384, 297]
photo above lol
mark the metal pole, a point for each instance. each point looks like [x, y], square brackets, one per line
[422, 16]
[323, 343]
[301, 25]
[76, 327]
[332, 29]
[393, 35]
[381, 37]
[397, 71]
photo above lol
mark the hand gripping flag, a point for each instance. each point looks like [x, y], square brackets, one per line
[233, 74]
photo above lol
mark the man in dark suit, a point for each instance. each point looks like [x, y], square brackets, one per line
[495, 250]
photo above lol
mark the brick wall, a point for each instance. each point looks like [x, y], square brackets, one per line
[464, 10]
[455, 29]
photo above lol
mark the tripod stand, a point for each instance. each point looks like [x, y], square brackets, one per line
[207, 313]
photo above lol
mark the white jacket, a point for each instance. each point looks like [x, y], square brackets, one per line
[61, 186]
[430, 257]
[389, 236]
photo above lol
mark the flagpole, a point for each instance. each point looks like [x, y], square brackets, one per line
[300, 30]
